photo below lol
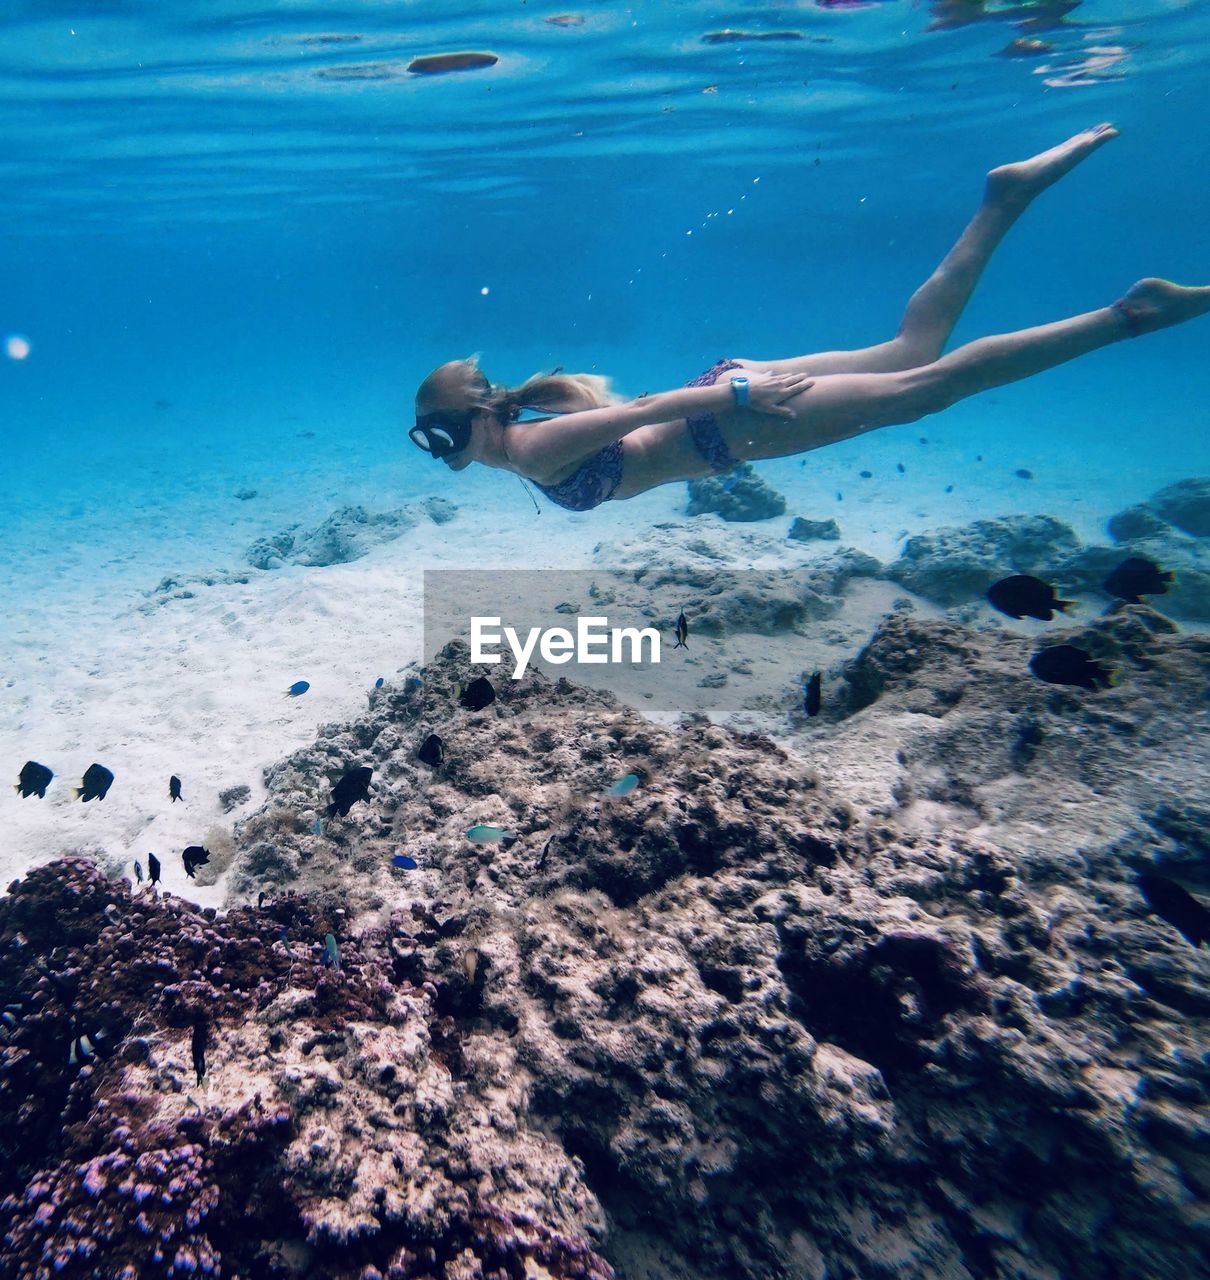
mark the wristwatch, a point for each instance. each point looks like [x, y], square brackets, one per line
[739, 388]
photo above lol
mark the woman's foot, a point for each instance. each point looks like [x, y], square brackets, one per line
[1019, 183]
[1156, 304]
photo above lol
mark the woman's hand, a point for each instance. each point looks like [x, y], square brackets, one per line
[767, 392]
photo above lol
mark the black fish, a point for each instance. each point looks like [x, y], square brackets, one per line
[153, 868]
[813, 695]
[83, 1048]
[97, 781]
[1022, 473]
[1176, 905]
[198, 1048]
[195, 856]
[432, 751]
[682, 632]
[1023, 596]
[33, 780]
[1138, 577]
[900, 468]
[260, 900]
[174, 788]
[866, 475]
[1065, 664]
[354, 786]
[478, 694]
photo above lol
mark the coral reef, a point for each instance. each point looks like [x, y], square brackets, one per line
[803, 530]
[780, 1037]
[325, 1139]
[347, 534]
[741, 495]
[956, 565]
[952, 565]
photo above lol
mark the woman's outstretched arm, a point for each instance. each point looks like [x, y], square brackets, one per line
[544, 449]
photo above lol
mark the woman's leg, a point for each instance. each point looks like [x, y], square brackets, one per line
[839, 406]
[934, 308]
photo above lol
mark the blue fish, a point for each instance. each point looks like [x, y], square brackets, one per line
[402, 860]
[318, 826]
[331, 952]
[297, 688]
[624, 785]
[413, 684]
[378, 683]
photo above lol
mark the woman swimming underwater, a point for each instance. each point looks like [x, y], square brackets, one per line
[596, 448]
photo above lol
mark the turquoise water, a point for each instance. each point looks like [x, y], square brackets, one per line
[230, 225]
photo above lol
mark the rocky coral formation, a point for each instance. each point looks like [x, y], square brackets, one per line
[1185, 504]
[952, 565]
[740, 495]
[347, 534]
[803, 530]
[957, 726]
[327, 1137]
[955, 565]
[776, 1037]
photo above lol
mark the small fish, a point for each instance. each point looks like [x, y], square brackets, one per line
[901, 468]
[812, 694]
[138, 872]
[331, 952]
[413, 684]
[949, 488]
[978, 457]
[478, 694]
[84, 1048]
[297, 689]
[924, 439]
[379, 683]
[193, 857]
[1066, 664]
[97, 781]
[1021, 595]
[624, 785]
[1178, 906]
[1137, 577]
[33, 780]
[432, 751]
[470, 964]
[174, 789]
[260, 900]
[354, 786]
[317, 827]
[1022, 474]
[153, 868]
[682, 632]
[866, 475]
[402, 861]
[488, 835]
[197, 1047]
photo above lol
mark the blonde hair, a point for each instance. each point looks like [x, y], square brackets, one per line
[461, 384]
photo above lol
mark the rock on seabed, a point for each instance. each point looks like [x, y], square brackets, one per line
[725, 1026]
